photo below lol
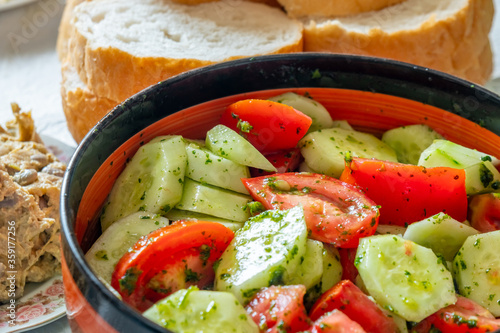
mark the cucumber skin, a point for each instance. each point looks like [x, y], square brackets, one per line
[450, 154]
[193, 310]
[266, 251]
[325, 151]
[404, 277]
[476, 268]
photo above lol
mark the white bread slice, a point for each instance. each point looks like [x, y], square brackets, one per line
[82, 108]
[333, 8]
[120, 47]
[447, 35]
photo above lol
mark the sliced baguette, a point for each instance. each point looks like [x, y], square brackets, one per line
[82, 108]
[447, 35]
[121, 47]
[333, 8]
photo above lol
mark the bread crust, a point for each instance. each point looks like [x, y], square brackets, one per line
[333, 8]
[82, 108]
[458, 45]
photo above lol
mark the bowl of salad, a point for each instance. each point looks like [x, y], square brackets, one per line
[288, 193]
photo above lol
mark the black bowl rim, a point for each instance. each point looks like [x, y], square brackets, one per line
[68, 233]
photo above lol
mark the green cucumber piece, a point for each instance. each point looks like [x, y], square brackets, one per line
[404, 277]
[482, 177]
[449, 154]
[441, 233]
[152, 181]
[193, 310]
[342, 124]
[215, 201]
[325, 150]
[410, 141]
[225, 142]
[177, 214]
[118, 238]
[207, 167]
[310, 271]
[389, 229]
[477, 270]
[266, 251]
[320, 116]
[332, 269]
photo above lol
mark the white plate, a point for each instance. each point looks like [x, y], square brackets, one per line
[13, 4]
[41, 304]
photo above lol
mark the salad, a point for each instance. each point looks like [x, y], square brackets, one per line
[289, 221]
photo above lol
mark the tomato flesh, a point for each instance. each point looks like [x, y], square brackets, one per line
[335, 212]
[484, 212]
[348, 298]
[347, 258]
[284, 161]
[279, 309]
[336, 322]
[409, 193]
[188, 249]
[465, 316]
[269, 126]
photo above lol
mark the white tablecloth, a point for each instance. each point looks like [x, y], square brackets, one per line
[30, 74]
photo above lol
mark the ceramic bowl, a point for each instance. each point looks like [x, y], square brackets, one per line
[372, 94]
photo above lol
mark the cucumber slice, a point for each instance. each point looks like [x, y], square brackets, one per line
[118, 238]
[151, 181]
[215, 201]
[320, 116]
[266, 251]
[410, 141]
[310, 271]
[193, 310]
[332, 269]
[441, 233]
[477, 270]
[482, 177]
[389, 229]
[225, 142]
[404, 277]
[177, 214]
[325, 150]
[449, 154]
[206, 167]
[342, 124]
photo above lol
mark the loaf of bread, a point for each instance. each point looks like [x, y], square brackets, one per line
[447, 35]
[333, 8]
[120, 47]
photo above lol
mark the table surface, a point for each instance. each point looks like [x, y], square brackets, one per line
[30, 75]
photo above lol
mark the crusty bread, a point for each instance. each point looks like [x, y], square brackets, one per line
[447, 35]
[273, 3]
[82, 108]
[333, 8]
[120, 47]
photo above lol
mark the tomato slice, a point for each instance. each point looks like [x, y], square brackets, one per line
[484, 212]
[269, 126]
[348, 298]
[335, 212]
[465, 316]
[279, 309]
[347, 258]
[336, 322]
[284, 161]
[409, 193]
[168, 259]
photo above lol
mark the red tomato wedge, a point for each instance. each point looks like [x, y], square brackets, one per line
[335, 212]
[465, 316]
[484, 212]
[168, 259]
[336, 322]
[269, 126]
[279, 309]
[284, 161]
[348, 298]
[347, 258]
[409, 193]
